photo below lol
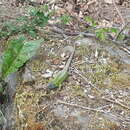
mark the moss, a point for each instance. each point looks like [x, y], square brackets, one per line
[78, 91]
[100, 72]
[121, 79]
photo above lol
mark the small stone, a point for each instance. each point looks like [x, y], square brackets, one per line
[27, 76]
[47, 74]
[91, 97]
[63, 55]
[108, 1]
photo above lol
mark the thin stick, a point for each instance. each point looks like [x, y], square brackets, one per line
[107, 99]
[106, 106]
[116, 102]
[60, 31]
[79, 106]
[122, 29]
[122, 19]
[94, 110]
[125, 49]
[119, 13]
[85, 79]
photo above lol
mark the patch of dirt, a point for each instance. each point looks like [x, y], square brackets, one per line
[55, 110]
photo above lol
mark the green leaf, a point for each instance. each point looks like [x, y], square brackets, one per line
[65, 19]
[22, 18]
[17, 53]
[32, 33]
[91, 21]
[40, 19]
[113, 30]
[45, 8]
[32, 11]
[101, 34]
[88, 19]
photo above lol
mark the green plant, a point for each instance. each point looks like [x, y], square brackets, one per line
[8, 29]
[17, 53]
[37, 17]
[91, 21]
[65, 19]
[101, 33]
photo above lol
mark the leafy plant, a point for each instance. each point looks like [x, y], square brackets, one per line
[65, 19]
[91, 21]
[8, 29]
[17, 53]
[101, 33]
[37, 17]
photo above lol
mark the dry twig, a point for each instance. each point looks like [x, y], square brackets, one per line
[107, 99]
[90, 35]
[86, 80]
[119, 13]
[79, 106]
[122, 19]
[122, 29]
[117, 118]
[116, 102]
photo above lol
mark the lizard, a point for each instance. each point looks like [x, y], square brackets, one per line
[63, 74]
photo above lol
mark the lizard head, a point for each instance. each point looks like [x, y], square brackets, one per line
[51, 86]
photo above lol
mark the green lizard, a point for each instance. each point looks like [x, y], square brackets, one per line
[63, 74]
